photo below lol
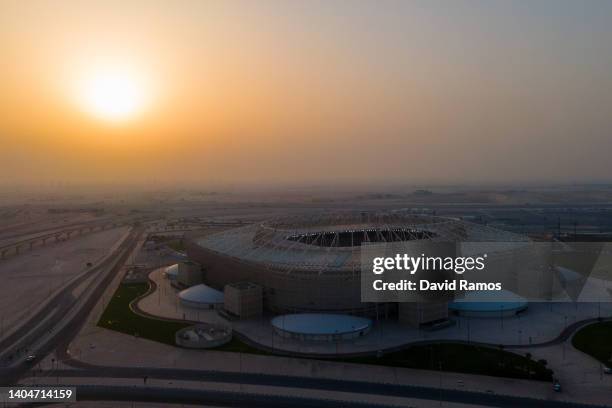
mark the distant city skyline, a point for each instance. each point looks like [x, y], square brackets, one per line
[305, 93]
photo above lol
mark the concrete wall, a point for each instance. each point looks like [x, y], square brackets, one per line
[244, 300]
[323, 337]
[296, 291]
[190, 274]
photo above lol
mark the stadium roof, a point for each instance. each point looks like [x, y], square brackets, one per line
[325, 241]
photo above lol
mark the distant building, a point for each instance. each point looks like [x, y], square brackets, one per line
[422, 192]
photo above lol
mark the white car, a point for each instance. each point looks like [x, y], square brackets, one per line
[607, 369]
[30, 358]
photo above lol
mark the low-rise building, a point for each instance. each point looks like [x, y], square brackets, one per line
[243, 299]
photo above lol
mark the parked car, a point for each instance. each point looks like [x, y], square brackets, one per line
[557, 386]
[607, 369]
[30, 358]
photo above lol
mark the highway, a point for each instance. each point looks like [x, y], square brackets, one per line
[208, 398]
[310, 383]
[44, 323]
[29, 241]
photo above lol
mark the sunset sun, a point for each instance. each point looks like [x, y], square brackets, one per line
[113, 94]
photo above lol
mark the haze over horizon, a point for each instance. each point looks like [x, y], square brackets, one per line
[282, 92]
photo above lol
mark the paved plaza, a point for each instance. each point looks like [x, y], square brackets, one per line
[540, 323]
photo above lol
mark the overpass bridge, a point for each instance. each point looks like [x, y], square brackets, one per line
[18, 247]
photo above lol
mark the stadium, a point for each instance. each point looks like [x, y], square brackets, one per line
[312, 263]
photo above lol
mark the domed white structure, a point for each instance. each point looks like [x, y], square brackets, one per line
[321, 326]
[201, 297]
[489, 304]
[171, 272]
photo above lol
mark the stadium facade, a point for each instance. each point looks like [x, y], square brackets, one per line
[312, 263]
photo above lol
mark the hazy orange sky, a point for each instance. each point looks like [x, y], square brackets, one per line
[309, 92]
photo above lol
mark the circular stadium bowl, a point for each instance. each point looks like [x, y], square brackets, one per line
[312, 263]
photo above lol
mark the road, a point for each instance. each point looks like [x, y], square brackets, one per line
[208, 398]
[310, 383]
[44, 323]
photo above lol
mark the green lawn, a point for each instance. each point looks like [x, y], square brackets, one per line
[119, 317]
[455, 357]
[464, 358]
[595, 340]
